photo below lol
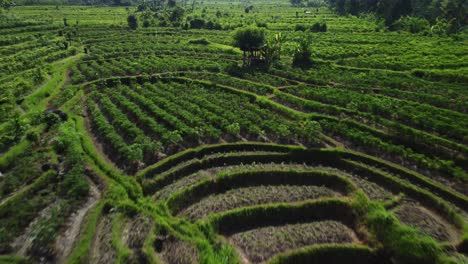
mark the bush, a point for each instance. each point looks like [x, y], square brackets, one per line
[405, 244]
[201, 41]
[300, 27]
[412, 24]
[319, 27]
[233, 129]
[197, 23]
[262, 24]
[32, 136]
[74, 184]
[302, 54]
[132, 21]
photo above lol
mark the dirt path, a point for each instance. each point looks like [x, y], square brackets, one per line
[66, 240]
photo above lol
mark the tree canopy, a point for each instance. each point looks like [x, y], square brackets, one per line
[132, 21]
[5, 4]
[249, 38]
[455, 11]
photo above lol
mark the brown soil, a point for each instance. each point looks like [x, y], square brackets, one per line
[211, 173]
[413, 214]
[259, 245]
[175, 251]
[102, 250]
[255, 195]
[371, 189]
[134, 236]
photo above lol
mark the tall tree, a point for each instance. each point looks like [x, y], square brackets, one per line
[455, 11]
[132, 21]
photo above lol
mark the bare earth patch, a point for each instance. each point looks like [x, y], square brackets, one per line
[175, 251]
[259, 245]
[212, 173]
[249, 196]
[102, 250]
[134, 235]
[413, 214]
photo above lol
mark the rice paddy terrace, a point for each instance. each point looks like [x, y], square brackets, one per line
[154, 146]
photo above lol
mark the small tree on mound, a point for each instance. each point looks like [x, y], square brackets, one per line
[250, 40]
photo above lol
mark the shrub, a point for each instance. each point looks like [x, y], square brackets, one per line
[233, 129]
[74, 184]
[262, 24]
[197, 23]
[319, 27]
[32, 136]
[300, 27]
[412, 24]
[132, 21]
[201, 41]
[302, 54]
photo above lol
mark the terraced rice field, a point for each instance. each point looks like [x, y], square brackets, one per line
[141, 146]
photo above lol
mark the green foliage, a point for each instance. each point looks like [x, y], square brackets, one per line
[453, 10]
[46, 230]
[32, 136]
[405, 244]
[17, 212]
[312, 130]
[177, 15]
[233, 129]
[249, 38]
[74, 185]
[319, 27]
[388, 94]
[132, 21]
[302, 53]
[197, 23]
[11, 259]
[412, 24]
[80, 251]
[201, 41]
[5, 4]
[271, 51]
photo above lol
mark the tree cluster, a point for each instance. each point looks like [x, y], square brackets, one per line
[454, 11]
[5, 4]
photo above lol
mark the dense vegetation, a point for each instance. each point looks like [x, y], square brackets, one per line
[450, 14]
[234, 132]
